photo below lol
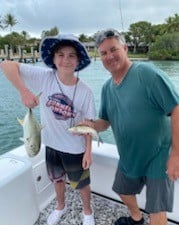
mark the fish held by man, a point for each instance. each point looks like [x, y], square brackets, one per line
[31, 133]
[84, 130]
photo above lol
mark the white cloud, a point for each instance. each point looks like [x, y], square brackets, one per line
[84, 16]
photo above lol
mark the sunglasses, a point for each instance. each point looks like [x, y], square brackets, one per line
[106, 34]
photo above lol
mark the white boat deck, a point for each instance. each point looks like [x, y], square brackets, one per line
[106, 210]
[28, 182]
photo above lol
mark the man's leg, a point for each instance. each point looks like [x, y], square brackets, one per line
[131, 202]
[158, 218]
[127, 188]
[160, 195]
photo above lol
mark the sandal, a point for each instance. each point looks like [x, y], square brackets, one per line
[128, 221]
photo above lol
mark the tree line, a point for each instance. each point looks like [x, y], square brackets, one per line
[156, 41]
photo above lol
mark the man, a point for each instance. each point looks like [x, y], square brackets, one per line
[140, 104]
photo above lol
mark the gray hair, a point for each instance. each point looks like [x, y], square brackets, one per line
[109, 33]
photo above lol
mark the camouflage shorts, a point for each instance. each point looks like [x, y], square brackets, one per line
[60, 163]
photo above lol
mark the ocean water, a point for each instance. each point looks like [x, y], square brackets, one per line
[95, 75]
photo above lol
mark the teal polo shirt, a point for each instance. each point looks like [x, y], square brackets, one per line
[138, 110]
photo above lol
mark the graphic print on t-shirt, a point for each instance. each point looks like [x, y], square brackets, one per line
[61, 106]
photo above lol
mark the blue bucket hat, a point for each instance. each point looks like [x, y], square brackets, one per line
[48, 45]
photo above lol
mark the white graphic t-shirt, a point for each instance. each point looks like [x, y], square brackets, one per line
[59, 110]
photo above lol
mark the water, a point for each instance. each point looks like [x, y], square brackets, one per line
[95, 75]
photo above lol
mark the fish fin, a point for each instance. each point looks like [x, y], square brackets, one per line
[21, 139]
[39, 95]
[21, 121]
[99, 140]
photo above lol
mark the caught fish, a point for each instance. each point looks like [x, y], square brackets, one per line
[81, 129]
[31, 133]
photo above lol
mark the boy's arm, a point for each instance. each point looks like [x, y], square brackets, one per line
[87, 158]
[12, 73]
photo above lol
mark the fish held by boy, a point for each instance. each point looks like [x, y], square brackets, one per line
[84, 130]
[31, 133]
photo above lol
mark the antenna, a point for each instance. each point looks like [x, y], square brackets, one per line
[120, 8]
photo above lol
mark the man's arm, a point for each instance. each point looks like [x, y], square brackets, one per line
[99, 124]
[173, 162]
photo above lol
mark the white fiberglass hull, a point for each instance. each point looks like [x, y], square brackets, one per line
[26, 189]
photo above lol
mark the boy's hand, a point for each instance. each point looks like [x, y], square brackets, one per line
[87, 161]
[29, 99]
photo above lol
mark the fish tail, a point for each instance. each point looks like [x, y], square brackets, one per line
[20, 121]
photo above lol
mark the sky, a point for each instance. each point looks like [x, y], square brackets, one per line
[84, 16]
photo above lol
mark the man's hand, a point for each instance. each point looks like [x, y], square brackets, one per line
[173, 167]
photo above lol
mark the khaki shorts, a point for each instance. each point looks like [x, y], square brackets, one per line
[59, 164]
[159, 192]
